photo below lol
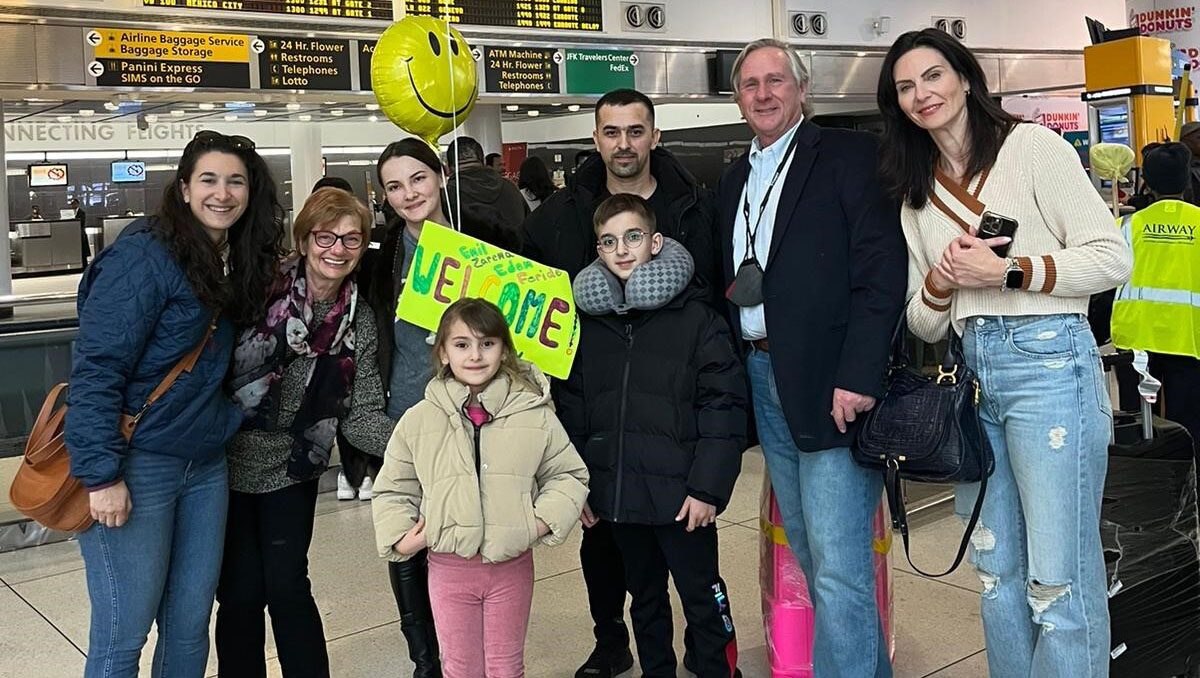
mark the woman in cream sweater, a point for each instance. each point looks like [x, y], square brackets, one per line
[952, 154]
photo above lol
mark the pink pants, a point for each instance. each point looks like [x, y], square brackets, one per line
[481, 612]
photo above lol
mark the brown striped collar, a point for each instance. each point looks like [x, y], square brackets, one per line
[958, 201]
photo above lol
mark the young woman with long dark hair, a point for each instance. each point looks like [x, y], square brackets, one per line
[160, 500]
[955, 158]
[413, 181]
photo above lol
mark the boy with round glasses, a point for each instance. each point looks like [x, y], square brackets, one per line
[656, 404]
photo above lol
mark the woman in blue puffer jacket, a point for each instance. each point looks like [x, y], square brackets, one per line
[159, 501]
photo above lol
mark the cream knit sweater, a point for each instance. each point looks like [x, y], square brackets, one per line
[1066, 238]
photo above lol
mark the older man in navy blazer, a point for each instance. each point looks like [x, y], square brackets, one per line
[815, 268]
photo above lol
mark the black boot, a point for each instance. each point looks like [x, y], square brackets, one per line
[410, 585]
[606, 661]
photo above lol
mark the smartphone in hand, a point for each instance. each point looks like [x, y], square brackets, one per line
[993, 225]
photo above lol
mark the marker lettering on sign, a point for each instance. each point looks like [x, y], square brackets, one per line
[536, 301]
[533, 301]
[527, 314]
[559, 306]
[422, 282]
[444, 281]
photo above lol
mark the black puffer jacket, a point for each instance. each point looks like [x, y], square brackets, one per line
[559, 233]
[656, 405]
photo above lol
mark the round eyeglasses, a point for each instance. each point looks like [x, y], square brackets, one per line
[633, 240]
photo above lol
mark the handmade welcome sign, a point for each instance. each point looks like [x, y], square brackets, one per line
[535, 299]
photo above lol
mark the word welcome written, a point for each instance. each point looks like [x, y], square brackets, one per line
[536, 300]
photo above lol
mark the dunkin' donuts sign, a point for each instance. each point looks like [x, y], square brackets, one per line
[1071, 121]
[1171, 20]
[1157, 21]
[1060, 114]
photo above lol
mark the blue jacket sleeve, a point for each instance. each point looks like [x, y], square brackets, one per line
[121, 298]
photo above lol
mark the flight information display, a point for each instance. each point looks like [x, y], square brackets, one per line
[333, 9]
[565, 15]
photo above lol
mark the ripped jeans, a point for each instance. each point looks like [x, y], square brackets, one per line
[1037, 548]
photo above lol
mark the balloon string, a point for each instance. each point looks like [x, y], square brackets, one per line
[456, 220]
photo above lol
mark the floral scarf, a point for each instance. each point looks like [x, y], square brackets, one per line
[289, 331]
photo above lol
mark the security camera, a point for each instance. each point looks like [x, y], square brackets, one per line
[142, 123]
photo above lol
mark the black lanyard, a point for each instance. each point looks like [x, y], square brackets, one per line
[762, 208]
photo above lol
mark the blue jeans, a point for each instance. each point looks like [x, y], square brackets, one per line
[827, 503]
[161, 566]
[1036, 548]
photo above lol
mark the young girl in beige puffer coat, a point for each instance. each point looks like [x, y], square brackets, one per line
[478, 472]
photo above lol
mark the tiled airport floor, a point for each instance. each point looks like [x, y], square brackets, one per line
[44, 611]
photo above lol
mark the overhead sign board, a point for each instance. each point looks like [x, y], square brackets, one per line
[521, 70]
[333, 9]
[151, 58]
[597, 71]
[304, 63]
[559, 15]
[366, 50]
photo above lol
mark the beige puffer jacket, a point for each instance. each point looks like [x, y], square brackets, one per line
[528, 469]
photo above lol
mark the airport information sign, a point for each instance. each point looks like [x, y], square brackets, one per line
[150, 58]
[552, 15]
[304, 63]
[333, 9]
[521, 70]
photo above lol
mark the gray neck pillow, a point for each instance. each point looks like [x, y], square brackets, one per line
[651, 285]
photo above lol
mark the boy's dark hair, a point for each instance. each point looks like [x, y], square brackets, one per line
[624, 202]
[625, 97]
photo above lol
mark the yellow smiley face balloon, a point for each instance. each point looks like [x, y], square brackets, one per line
[424, 76]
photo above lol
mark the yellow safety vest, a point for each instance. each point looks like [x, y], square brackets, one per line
[1159, 308]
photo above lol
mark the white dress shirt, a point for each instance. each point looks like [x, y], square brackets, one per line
[763, 163]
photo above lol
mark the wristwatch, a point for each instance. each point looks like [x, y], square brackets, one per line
[1014, 275]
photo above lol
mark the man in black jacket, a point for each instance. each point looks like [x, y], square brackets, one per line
[559, 233]
[817, 262]
[476, 185]
[656, 405]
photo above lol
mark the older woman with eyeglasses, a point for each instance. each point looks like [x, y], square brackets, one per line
[305, 371]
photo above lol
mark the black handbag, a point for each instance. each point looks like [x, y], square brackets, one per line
[926, 429]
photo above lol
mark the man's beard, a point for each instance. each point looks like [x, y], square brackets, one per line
[625, 171]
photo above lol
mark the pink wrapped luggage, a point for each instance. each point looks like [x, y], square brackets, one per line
[787, 608]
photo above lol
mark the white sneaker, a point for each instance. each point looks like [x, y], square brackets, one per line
[365, 492]
[345, 490]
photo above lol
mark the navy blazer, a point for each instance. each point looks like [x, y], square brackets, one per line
[835, 280]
